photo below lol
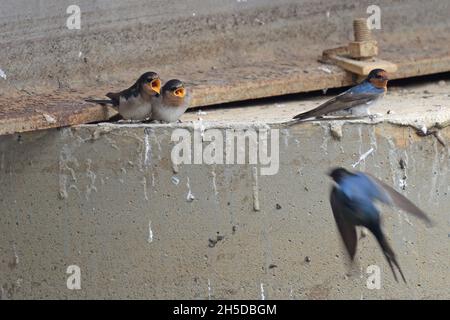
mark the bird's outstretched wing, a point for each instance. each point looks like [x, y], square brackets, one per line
[398, 200]
[348, 99]
[346, 229]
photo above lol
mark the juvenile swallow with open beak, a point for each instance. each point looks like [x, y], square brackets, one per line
[174, 102]
[356, 100]
[352, 201]
[136, 102]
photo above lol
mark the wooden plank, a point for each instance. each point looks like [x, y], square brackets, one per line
[53, 115]
[226, 52]
[50, 111]
[242, 81]
[364, 67]
[313, 78]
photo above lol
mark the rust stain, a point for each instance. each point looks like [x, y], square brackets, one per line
[402, 136]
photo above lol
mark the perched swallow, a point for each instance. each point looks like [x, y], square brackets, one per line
[174, 102]
[352, 201]
[136, 102]
[355, 101]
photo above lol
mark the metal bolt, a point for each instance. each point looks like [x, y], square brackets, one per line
[363, 48]
[361, 30]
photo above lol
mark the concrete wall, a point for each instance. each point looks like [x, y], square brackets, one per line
[106, 198]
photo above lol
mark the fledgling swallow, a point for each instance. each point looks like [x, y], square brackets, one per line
[352, 202]
[356, 100]
[174, 102]
[136, 102]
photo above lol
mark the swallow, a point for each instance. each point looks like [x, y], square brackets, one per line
[352, 202]
[136, 102]
[356, 100]
[174, 102]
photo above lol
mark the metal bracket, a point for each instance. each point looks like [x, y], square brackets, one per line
[358, 56]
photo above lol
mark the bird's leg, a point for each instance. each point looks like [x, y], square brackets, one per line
[373, 116]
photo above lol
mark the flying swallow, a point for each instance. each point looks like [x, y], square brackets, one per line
[136, 102]
[175, 101]
[356, 100]
[352, 201]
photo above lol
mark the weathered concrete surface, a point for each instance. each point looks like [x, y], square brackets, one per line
[106, 198]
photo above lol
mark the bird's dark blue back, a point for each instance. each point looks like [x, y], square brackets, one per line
[359, 193]
[365, 87]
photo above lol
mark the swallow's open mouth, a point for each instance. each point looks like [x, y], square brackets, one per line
[181, 92]
[156, 85]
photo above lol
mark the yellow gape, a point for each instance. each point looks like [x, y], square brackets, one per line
[155, 85]
[181, 92]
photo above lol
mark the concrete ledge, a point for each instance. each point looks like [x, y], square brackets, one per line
[106, 198]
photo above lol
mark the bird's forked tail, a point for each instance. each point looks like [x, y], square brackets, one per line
[388, 252]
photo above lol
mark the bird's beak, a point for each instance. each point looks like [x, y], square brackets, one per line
[180, 92]
[155, 85]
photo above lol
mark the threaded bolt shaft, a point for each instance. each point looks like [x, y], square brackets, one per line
[361, 31]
